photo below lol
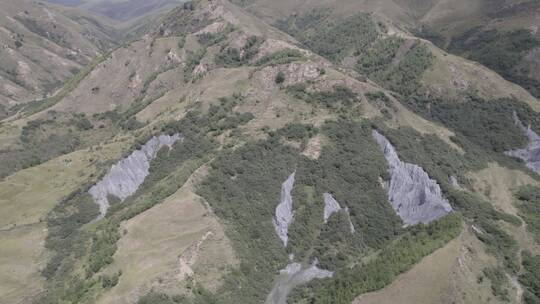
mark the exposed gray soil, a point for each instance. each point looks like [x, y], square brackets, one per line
[128, 174]
[531, 153]
[415, 197]
[284, 211]
[291, 276]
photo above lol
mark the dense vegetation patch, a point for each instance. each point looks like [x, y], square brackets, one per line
[199, 296]
[441, 161]
[280, 57]
[488, 124]
[233, 57]
[299, 133]
[333, 39]
[359, 36]
[379, 271]
[399, 72]
[499, 282]
[209, 39]
[49, 137]
[501, 52]
[428, 33]
[349, 168]
[379, 56]
[530, 278]
[63, 224]
[340, 98]
[243, 2]
[529, 209]
[499, 244]
[244, 186]
[498, 50]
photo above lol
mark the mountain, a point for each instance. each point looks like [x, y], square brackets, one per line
[125, 10]
[43, 46]
[502, 35]
[121, 10]
[277, 152]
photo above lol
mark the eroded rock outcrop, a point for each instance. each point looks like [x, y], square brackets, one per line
[294, 275]
[128, 174]
[351, 226]
[531, 153]
[415, 197]
[284, 211]
[332, 206]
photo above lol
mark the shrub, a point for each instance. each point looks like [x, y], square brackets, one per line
[230, 57]
[280, 77]
[209, 39]
[340, 98]
[280, 57]
[193, 60]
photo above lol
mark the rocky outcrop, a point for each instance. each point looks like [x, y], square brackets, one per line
[531, 153]
[295, 73]
[284, 211]
[128, 174]
[415, 197]
[294, 275]
[332, 206]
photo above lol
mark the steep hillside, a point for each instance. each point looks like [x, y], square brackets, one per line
[121, 10]
[42, 47]
[324, 156]
[502, 35]
[126, 10]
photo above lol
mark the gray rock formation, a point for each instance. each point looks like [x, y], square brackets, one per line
[284, 211]
[415, 197]
[332, 206]
[128, 174]
[294, 275]
[531, 153]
